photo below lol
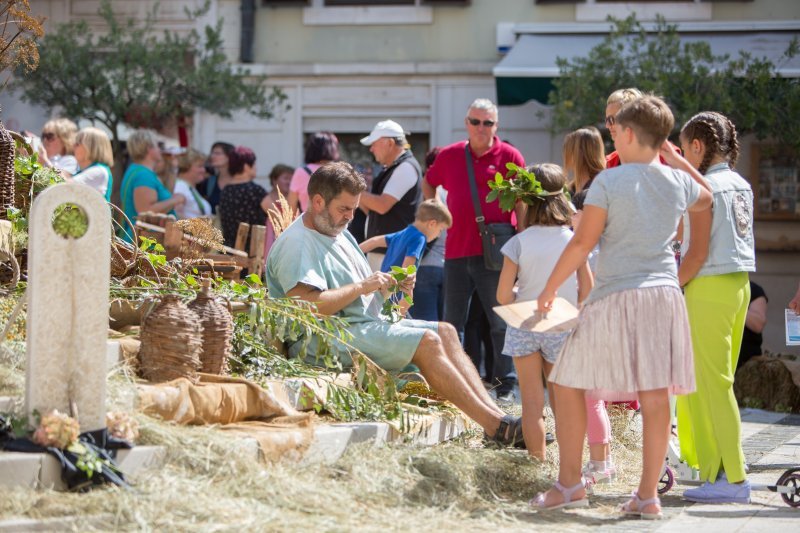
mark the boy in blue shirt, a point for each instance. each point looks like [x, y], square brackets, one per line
[405, 247]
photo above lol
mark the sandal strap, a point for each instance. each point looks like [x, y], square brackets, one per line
[643, 503]
[567, 492]
[509, 432]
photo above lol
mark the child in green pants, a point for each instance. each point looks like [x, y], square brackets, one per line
[717, 294]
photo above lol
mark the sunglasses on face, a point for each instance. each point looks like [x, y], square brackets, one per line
[476, 122]
[48, 136]
[610, 120]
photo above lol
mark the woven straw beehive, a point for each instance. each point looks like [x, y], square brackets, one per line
[217, 326]
[171, 342]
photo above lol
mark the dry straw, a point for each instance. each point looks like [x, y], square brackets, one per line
[282, 216]
[171, 342]
[211, 481]
[206, 237]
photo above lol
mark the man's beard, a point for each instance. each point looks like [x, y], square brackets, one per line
[325, 225]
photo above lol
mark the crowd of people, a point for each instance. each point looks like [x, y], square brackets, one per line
[630, 238]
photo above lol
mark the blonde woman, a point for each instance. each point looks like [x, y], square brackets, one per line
[141, 189]
[58, 141]
[95, 158]
[191, 172]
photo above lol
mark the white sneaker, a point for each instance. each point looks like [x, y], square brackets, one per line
[594, 475]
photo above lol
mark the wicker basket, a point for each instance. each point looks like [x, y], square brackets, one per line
[171, 342]
[217, 330]
[7, 178]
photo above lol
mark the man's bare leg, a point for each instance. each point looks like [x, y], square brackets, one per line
[460, 359]
[449, 381]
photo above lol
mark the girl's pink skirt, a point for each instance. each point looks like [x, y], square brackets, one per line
[629, 341]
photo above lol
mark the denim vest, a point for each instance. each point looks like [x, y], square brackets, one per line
[731, 248]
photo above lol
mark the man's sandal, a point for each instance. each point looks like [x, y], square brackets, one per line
[628, 507]
[508, 433]
[568, 503]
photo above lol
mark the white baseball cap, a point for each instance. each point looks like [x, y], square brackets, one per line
[385, 128]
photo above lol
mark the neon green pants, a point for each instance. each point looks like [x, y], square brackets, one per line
[709, 426]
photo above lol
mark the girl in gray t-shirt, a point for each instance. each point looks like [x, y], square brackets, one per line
[632, 339]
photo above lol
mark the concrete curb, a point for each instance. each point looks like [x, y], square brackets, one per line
[41, 470]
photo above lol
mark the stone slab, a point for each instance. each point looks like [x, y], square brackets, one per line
[20, 469]
[113, 354]
[8, 404]
[44, 471]
[331, 441]
[66, 523]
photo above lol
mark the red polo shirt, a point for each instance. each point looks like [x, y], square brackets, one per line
[450, 171]
[612, 159]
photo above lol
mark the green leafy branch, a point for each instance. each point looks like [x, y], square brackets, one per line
[392, 307]
[518, 185]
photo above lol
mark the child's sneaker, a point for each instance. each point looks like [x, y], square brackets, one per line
[595, 474]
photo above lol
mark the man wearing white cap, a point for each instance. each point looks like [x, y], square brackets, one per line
[396, 191]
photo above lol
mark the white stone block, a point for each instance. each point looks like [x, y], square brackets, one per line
[139, 459]
[113, 352]
[68, 308]
[329, 443]
[19, 469]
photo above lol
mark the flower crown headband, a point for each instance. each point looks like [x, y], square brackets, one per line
[519, 185]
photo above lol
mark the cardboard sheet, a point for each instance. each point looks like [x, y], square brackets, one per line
[523, 315]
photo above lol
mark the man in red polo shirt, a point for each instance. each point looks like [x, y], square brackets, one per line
[464, 271]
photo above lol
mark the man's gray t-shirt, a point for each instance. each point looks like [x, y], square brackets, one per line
[644, 205]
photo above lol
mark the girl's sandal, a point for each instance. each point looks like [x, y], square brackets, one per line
[568, 503]
[628, 507]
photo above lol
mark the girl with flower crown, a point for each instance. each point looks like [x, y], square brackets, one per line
[529, 259]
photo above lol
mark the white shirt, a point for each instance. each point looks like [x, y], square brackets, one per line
[95, 177]
[191, 209]
[401, 181]
[536, 251]
[65, 162]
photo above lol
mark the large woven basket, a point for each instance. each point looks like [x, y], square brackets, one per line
[171, 342]
[217, 324]
[7, 150]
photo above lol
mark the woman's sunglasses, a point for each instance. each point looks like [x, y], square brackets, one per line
[48, 136]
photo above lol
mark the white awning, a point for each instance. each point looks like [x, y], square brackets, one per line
[534, 56]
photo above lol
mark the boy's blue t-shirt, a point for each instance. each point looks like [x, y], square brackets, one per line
[399, 245]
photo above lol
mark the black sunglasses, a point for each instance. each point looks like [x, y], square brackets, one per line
[476, 122]
[48, 136]
[611, 120]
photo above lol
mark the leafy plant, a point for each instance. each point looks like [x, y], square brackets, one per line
[392, 307]
[518, 185]
[746, 88]
[19, 227]
[32, 176]
[153, 251]
[70, 221]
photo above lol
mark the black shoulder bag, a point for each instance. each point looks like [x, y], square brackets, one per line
[493, 236]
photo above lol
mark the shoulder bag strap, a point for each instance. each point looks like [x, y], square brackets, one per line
[473, 185]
